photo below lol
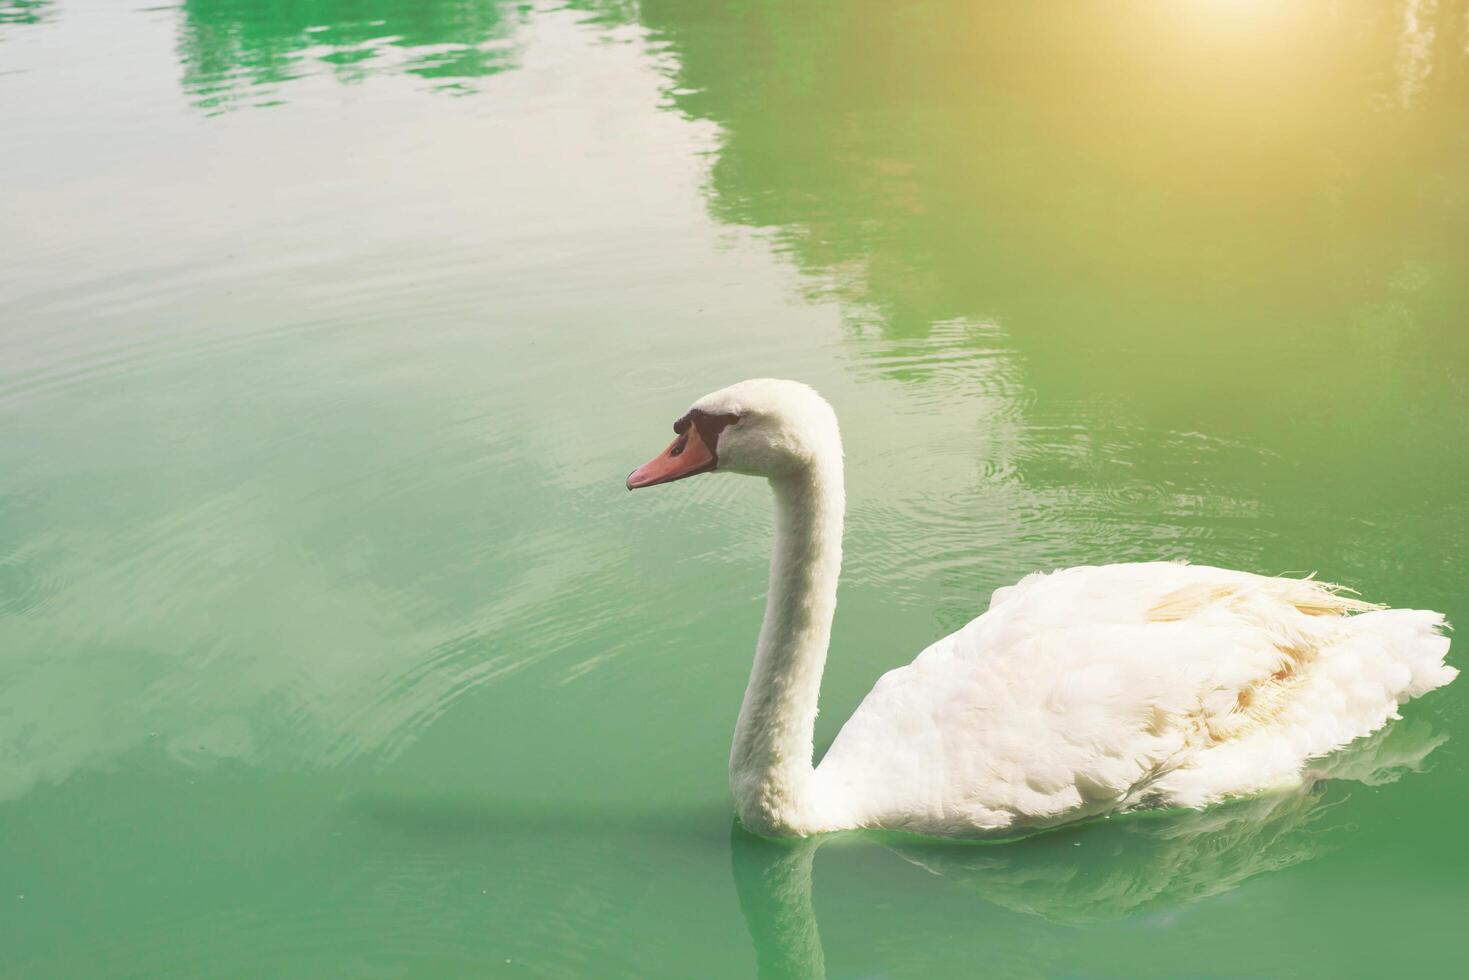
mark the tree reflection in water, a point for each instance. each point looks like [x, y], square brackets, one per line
[231, 48]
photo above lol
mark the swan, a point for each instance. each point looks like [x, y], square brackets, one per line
[1082, 692]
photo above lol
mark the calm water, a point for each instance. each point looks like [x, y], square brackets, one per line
[330, 643]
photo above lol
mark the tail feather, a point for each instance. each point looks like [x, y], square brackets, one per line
[1418, 640]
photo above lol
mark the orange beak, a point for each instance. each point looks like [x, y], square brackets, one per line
[685, 456]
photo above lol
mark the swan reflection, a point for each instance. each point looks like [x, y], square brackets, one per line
[1105, 870]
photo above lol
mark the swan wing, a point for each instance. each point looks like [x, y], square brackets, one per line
[1095, 689]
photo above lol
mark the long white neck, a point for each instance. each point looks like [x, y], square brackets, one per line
[770, 770]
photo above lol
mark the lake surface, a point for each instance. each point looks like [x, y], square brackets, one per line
[331, 643]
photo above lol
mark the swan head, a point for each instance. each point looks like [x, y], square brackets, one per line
[762, 427]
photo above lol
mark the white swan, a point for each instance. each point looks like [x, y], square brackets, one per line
[1080, 692]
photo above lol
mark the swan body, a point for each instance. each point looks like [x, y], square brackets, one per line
[1080, 692]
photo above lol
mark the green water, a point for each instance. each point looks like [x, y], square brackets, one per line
[330, 642]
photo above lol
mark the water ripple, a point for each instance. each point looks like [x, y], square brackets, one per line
[27, 583]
